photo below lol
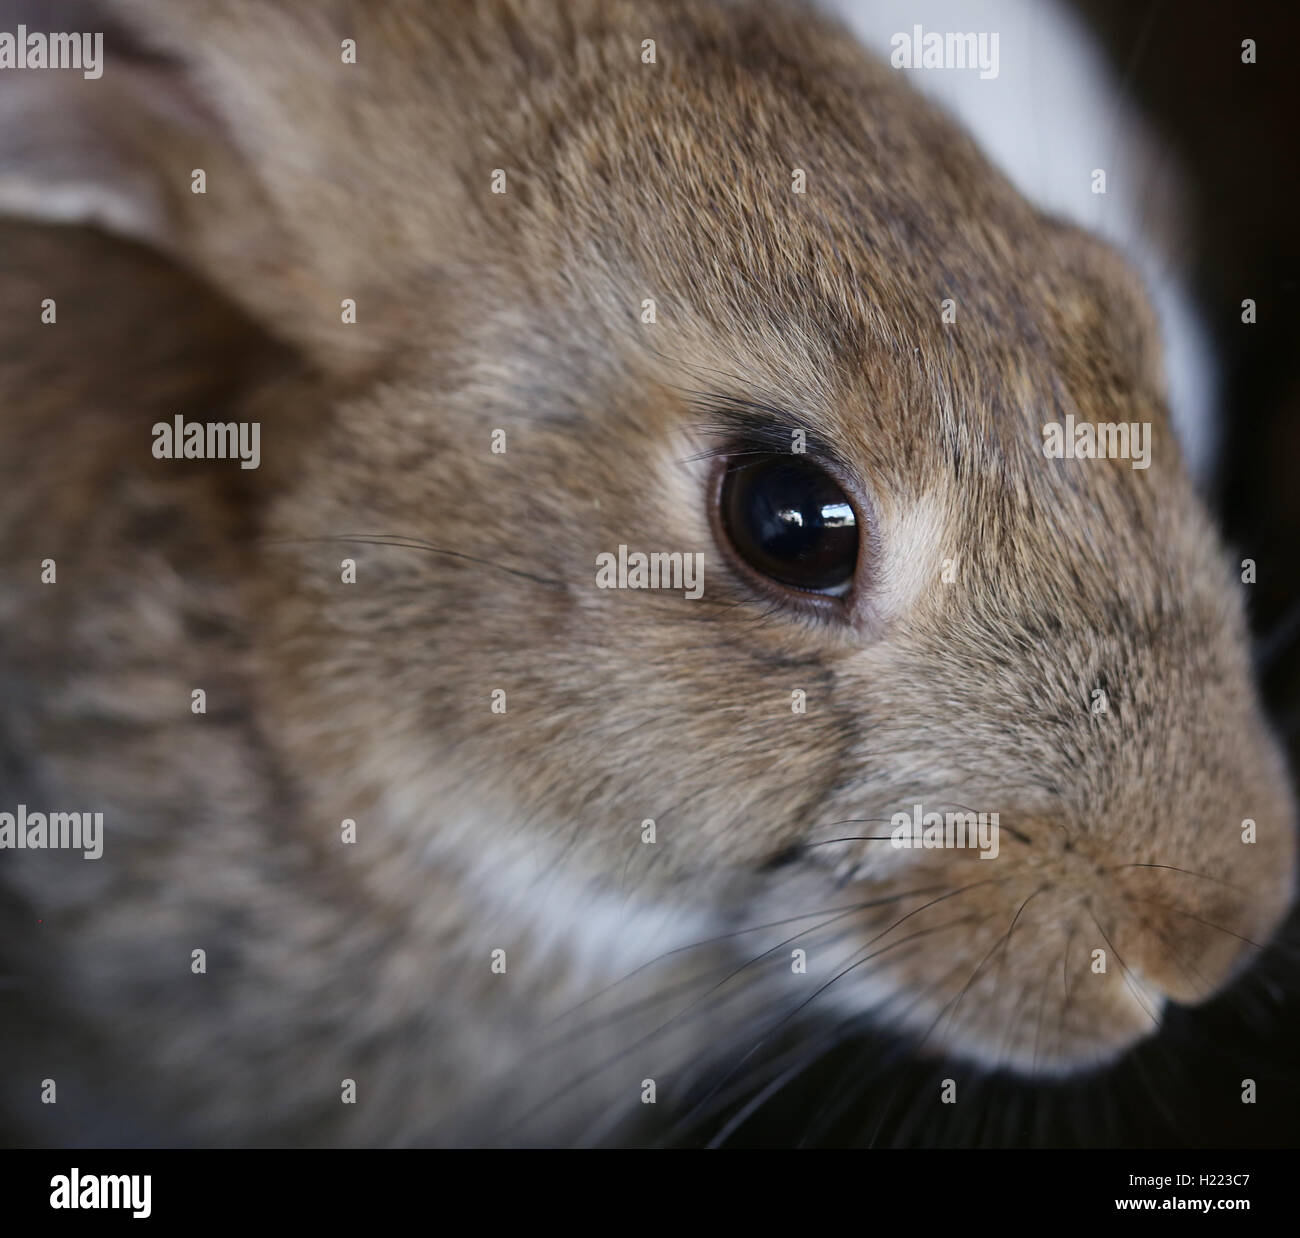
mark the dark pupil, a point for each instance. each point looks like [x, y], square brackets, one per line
[789, 520]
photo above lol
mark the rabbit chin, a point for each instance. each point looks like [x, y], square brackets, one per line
[1020, 1029]
[1040, 973]
[1031, 1050]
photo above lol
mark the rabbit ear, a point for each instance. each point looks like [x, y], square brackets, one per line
[79, 147]
[230, 136]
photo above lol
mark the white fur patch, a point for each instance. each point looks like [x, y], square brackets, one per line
[603, 934]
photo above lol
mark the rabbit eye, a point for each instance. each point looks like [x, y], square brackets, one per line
[790, 520]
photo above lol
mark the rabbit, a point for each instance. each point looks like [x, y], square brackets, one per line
[414, 832]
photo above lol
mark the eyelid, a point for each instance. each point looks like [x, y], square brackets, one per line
[746, 422]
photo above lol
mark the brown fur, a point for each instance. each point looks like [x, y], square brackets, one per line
[371, 701]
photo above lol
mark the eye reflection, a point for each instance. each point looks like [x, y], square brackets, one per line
[838, 514]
